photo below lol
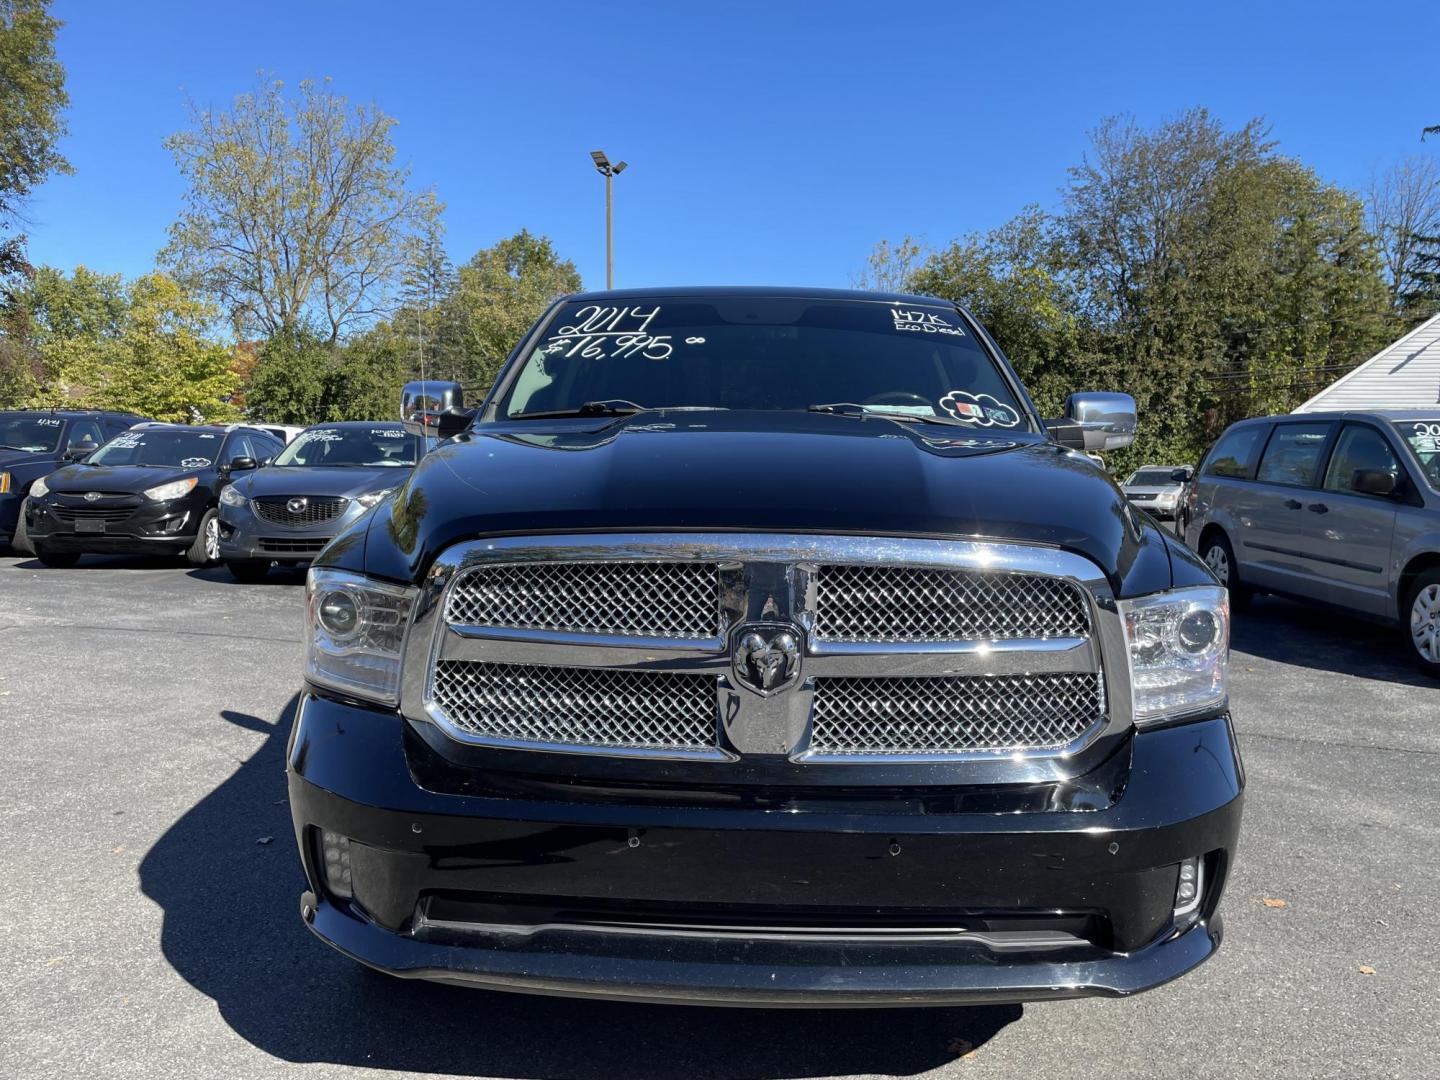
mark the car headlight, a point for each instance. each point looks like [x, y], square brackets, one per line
[172, 490]
[1179, 644]
[4, 483]
[231, 497]
[370, 498]
[38, 488]
[355, 633]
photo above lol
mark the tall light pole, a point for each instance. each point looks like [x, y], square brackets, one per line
[605, 169]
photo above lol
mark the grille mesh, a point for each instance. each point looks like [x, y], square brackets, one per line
[578, 706]
[640, 599]
[88, 513]
[897, 603]
[318, 509]
[936, 715]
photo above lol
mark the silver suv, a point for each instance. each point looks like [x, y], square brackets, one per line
[1339, 508]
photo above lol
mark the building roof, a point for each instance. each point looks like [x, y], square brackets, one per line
[1403, 375]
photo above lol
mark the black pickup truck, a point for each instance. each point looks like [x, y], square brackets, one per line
[765, 647]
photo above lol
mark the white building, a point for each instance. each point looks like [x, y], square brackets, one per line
[1404, 375]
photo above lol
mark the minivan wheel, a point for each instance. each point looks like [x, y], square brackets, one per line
[1422, 622]
[206, 548]
[1220, 557]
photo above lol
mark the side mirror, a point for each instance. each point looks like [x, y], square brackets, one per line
[77, 454]
[243, 464]
[1180, 476]
[423, 403]
[1375, 482]
[1106, 421]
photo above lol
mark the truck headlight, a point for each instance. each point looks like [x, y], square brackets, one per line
[172, 490]
[38, 489]
[231, 497]
[4, 483]
[1179, 645]
[371, 498]
[355, 633]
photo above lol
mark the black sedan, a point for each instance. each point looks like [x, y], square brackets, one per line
[322, 482]
[151, 490]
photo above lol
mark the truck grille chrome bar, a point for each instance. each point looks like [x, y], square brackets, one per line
[723, 646]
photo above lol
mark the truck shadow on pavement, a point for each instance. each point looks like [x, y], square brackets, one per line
[232, 930]
[1311, 637]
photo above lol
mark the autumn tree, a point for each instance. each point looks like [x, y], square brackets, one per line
[32, 100]
[296, 213]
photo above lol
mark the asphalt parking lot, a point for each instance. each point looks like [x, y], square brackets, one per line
[149, 883]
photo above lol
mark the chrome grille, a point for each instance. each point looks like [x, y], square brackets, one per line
[923, 716]
[638, 599]
[317, 509]
[578, 706]
[899, 603]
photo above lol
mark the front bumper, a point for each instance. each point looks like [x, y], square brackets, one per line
[244, 536]
[120, 524]
[842, 900]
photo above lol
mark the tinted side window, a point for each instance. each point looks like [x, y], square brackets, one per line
[1293, 454]
[83, 433]
[1234, 454]
[1358, 448]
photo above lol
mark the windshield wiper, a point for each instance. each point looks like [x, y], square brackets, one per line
[24, 449]
[850, 408]
[608, 407]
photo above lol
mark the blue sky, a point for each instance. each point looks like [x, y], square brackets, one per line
[768, 142]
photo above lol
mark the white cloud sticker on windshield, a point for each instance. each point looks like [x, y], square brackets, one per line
[983, 410]
[195, 463]
[604, 333]
[923, 322]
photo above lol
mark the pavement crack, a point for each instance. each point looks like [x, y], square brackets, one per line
[1338, 744]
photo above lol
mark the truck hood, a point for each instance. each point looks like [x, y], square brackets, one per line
[320, 480]
[762, 472]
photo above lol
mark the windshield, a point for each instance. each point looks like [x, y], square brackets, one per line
[763, 353]
[351, 446]
[169, 448]
[1151, 478]
[1423, 438]
[26, 431]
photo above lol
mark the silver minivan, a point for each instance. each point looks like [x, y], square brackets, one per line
[1339, 508]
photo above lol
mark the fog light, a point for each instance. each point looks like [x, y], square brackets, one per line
[1189, 887]
[335, 850]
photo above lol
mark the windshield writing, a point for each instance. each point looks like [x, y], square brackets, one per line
[379, 445]
[161, 447]
[34, 433]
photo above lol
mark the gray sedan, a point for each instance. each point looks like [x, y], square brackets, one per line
[327, 477]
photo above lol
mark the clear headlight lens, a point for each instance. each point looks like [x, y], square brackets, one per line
[38, 488]
[370, 498]
[1179, 643]
[231, 497]
[172, 490]
[4, 483]
[355, 633]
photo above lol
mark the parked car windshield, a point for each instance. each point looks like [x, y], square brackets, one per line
[1423, 438]
[763, 353]
[379, 445]
[26, 431]
[1151, 478]
[171, 448]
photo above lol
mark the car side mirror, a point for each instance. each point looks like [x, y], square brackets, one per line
[77, 454]
[423, 403]
[1375, 482]
[1095, 421]
[1180, 476]
[243, 464]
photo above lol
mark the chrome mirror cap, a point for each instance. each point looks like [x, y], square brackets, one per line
[1107, 419]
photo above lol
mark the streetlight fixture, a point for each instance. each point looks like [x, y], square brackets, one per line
[609, 171]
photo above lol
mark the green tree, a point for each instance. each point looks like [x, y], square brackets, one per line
[500, 293]
[291, 378]
[32, 100]
[296, 214]
[160, 364]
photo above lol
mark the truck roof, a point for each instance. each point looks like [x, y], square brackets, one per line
[702, 292]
